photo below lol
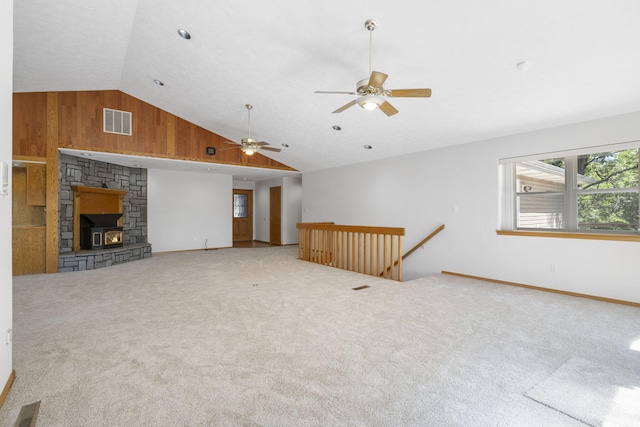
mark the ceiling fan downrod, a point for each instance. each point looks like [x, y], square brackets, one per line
[249, 107]
[370, 25]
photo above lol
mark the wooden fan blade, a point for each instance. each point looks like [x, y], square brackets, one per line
[230, 148]
[410, 93]
[388, 109]
[277, 150]
[262, 143]
[377, 79]
[334, 92]
[344, 107]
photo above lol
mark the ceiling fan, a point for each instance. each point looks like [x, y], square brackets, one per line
[250, 145]
[371, 92]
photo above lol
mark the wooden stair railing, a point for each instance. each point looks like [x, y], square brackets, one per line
[368, 250]
[415, 248]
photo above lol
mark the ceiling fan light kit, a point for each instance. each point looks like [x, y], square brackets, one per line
[371, 91]
[370, 102]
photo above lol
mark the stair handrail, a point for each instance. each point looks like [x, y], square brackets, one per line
[425, 240]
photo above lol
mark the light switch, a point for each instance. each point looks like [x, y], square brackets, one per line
[4, 179]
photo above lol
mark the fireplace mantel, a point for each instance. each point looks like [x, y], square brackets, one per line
[94, 200]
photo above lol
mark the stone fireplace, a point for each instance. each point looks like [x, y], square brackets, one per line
[91, 187]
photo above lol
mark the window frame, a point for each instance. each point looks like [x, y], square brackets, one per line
[509, 214]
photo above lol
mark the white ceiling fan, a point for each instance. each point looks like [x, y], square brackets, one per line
[370, 90]
[250, 145]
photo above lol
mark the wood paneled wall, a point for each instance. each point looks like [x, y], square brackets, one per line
[155, 133]
[30, 124]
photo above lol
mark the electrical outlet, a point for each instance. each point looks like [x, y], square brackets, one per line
[9, 336]
[553, 268]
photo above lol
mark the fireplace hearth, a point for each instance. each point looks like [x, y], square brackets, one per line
[100, 231]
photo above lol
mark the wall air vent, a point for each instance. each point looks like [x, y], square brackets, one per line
[116, 121]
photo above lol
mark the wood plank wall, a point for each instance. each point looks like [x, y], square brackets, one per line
[155, 133]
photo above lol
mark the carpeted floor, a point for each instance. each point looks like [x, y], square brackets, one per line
[257, 337]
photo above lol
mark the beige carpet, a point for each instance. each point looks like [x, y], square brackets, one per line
[592, 392]
[257, 337]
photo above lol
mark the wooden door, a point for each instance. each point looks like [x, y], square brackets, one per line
[275, 215]
[242, 215]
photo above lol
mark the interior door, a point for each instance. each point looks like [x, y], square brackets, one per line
[242, 215]
[275, 215]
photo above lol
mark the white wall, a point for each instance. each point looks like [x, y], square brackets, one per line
[291, 208]
[185, 208]
[261, 208]
[458, 187]
[244, 185]
[6, 112]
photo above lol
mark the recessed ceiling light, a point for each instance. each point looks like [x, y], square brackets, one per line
[368, 147]
[158, 82]
[86, 154]
[336, 127]
[285, 145]
[184, 34]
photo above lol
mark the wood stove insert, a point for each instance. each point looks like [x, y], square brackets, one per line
[100, 231]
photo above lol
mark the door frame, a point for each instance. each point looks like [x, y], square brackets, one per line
[275, 216]
[250, 211]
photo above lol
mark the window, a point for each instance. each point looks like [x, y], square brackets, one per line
[240, 202]
[591, 192]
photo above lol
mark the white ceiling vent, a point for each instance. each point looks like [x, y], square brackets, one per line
[116, 121]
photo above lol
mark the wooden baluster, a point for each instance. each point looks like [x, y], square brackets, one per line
[371, 248]
[386, 264]
[393, 269]
[345, 249]
[378, 254]
[325, 241]
[358, 245]
[400, 258]
[314, 237]
[361, 253]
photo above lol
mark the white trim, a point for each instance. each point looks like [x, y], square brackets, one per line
[570, 197]
[566, 153]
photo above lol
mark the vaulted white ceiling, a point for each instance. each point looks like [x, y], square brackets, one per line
[582, 61]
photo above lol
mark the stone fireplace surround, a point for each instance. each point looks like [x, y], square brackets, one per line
[79, 171]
